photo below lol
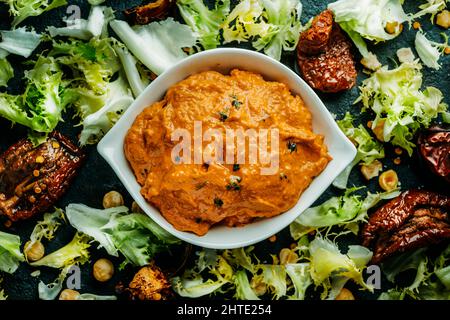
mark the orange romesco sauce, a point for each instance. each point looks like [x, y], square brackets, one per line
[194, 197]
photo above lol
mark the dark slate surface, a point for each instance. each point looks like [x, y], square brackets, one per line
[96, 178]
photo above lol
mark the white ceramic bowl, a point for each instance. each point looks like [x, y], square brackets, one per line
[223, 60]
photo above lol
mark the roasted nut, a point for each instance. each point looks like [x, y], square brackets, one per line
[103, 270]
[378, 130]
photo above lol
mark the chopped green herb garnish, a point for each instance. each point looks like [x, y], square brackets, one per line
[223, 116]
[200, 185]
[292, 146]
[236, 167]
[233, 186]
[218, 202]
[235, 103]
[234, 183]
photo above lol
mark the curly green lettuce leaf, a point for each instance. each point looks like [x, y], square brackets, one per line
[113, 104]
[203, 21]
[158, 45]
[39, 107]
[3, 295]
[329, 266]
[6, 72]
[75, 252]
[47, 227]
[430, 51]
[196, 287]
[346, 211]
[20, 41]
[22, 9]
[367, 19]
[300, 275]
[136, 236]
[95, 26]
[137, 80]
[90, 296]
[274, 277]
[401, 107]
[431, 7]
[93, 63]
[50, 291]
[244, 291]
[274, 24]
[368, 149]
[10, 255]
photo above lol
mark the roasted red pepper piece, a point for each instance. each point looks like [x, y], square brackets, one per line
[32, 178]
[414, 219]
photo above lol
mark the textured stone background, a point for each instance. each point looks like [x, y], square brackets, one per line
[96, 178]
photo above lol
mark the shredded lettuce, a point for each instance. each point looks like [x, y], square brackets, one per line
[134, 235]
[158, 45]
[346, 211]
[204, 22]
[22, 9]
[401, 107]
[39, 107]
[20, 41]
[368, 19]
[431, 7]
[10, 255]
[95, 26]
[430, 51]
[368, 148]
[50, 291]
[273, 24]
[300, 275]
[6, 72]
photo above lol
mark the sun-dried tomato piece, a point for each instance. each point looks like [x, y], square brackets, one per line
[32, 178]
[414, 219]
[325, 57]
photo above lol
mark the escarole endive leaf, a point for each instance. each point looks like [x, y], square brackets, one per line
[22, 9]
[368, 19]
[10, 255]
[399, 103]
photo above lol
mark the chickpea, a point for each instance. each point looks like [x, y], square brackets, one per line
[103, 270]
[394, 27]
[372, 170]
[34, 251]
[388, 180]
[443, 19]
[379, 130]
[135, 208]
[112, 199]
[345, 294]
[69, 294]
[258, 286]
[288, 256]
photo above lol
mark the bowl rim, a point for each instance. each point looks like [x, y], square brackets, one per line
[109, 140]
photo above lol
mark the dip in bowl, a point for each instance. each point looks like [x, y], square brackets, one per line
[194, 201]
